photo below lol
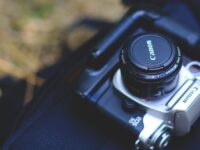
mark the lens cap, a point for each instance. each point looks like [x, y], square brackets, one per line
[150, 64]
[151, 52]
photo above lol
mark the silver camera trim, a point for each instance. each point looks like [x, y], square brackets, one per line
[176, 111]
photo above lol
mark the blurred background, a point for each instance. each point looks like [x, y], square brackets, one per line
[34, 35]
[32, 31]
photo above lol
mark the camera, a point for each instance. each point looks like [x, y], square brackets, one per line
[151, 75]
[138, 78]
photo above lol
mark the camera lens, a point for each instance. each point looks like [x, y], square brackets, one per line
[150, 64]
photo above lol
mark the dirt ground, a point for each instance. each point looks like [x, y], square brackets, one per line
[31, 30]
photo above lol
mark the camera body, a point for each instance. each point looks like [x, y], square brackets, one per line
[173, 113]
[144, 86]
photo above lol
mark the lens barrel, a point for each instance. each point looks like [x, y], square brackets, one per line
[150, 64]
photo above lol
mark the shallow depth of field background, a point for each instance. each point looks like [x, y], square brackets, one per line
[31, 30]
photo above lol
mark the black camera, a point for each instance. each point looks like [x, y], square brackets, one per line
[136, 75]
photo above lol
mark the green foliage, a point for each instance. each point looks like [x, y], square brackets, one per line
[40, 9]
